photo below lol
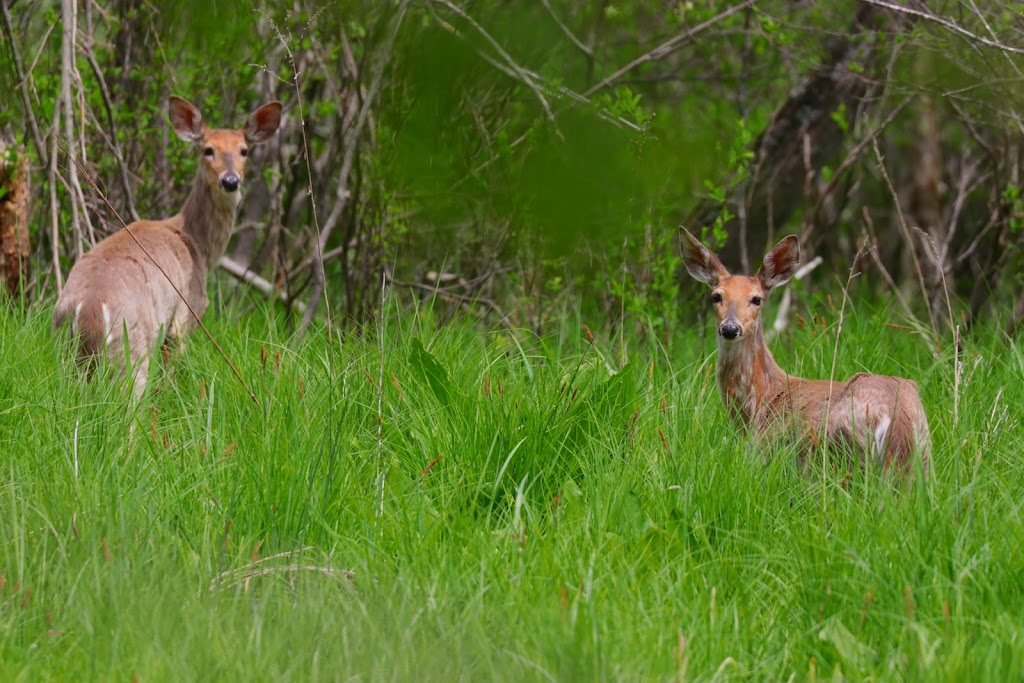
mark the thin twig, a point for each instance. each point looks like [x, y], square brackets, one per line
[51, 180]
[381, 469]
[23, 79]
[567, 31]
[67, 49]
[929, 242]
[969, 180]
[350, 144]
[256, 280]
[669, 46]
[947, 23]
[112, 140]
[993, 221]
[70, 75]
[991, 32]
[309, 185]
[873, 251]
[460, 298]
[782, 317]
[832, 372]
[903, 227]
[523, 76]
[855, 153]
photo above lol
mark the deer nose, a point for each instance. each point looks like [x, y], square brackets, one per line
[230, 182]
[730, 329]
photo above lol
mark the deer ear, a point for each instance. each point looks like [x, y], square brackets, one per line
[700, 263]
[186, 119]
[780, 263]
[262, 123]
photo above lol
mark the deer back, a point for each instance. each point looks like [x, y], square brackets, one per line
[880, 415]
[118, 289]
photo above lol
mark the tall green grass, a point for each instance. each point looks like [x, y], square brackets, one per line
[498, 507]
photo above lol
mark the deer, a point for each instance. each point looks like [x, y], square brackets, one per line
[873, 416]
[145, 284]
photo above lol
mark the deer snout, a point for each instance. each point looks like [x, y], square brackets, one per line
[730, 329]
[230, 182]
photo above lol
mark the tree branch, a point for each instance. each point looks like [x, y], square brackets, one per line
[351, 145]
[947, 23]
[262, 284]
[23, 79]
[112, 141]
[669, 46]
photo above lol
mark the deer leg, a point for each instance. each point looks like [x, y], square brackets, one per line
[140, 377]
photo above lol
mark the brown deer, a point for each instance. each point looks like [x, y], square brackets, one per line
[878, 416]
[138, 285]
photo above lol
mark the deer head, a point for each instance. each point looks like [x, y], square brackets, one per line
[224, 150]
[738, 299]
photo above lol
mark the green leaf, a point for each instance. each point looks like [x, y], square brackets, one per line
[839, 116]
[846, 644]
[430, 372]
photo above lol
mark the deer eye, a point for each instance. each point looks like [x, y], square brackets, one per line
[716, 298]
[244, 151]
[208, 152]
[757, 301]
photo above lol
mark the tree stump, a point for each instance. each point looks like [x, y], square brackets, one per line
[14, 242]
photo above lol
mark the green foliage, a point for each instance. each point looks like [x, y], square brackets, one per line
[738, 156]
[495, 142]
[1014, 207]
[1015, 198]
[840, 116]
[547, 512]
[625, 104]
[426, 368]
[550, 507]
[8, 159]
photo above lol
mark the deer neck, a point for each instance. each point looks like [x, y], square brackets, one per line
[208, 217]
[748, 377]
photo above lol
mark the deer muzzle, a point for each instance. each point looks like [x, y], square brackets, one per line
[730, 329]
[229, 182]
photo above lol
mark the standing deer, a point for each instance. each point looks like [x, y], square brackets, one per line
[140, 283]
[877, 415]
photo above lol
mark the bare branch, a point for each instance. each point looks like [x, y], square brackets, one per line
[521, 74]
[112, 140]
[903, 226]
[669, 46]
[855, 153]
[991, 32]
[947, 23]
[351, 145]
[51, 181]
[782, 317]
[23, 79]
[464, 299]
[567, 31]
[262, 284]
[67, 74]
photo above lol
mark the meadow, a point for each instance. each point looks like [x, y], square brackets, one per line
[428, 501]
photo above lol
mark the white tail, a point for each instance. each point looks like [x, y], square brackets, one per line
[121, 298]
[876, 414]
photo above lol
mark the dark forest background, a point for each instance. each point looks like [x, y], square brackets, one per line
[521, 158]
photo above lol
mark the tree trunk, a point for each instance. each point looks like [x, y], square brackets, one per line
[805, 133]
[926, 210]
[14, 244]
